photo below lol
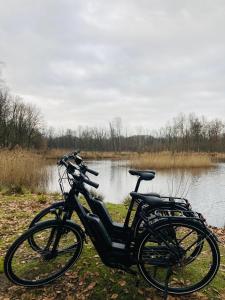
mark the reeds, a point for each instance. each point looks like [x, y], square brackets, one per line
[168, 160]
[106, 155]
[157, 160]
[20, 170]
[218, 157]
[95, 155]
[55, 153]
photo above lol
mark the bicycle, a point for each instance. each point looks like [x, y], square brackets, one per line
[146, 208]
[163, 251]
[169, 204]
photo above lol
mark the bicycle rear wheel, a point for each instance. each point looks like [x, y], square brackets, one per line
[60, 247]
[141, 225]
[167, 262]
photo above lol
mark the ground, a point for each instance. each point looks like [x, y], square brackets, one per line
[89, 279]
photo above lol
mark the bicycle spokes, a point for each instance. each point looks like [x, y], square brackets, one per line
[187, 253]
[56, 248]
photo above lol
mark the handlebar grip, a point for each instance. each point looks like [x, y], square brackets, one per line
[92, 172]
[92, 183]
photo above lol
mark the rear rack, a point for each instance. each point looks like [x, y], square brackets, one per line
[169, 214]
[178, 200]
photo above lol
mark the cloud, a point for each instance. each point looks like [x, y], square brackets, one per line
[85, 62]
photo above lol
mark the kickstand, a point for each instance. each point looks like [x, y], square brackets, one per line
[130, 271]
[169, 273]
[137, 281]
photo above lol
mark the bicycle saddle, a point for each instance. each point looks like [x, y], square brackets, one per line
[150, 200]
[144, 175]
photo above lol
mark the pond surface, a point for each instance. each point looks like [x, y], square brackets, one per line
[204, 188]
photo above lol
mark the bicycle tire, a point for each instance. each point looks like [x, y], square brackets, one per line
[212, 251]
[37, 229]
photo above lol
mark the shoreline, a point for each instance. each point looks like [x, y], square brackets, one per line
[142, 160]
[24, 170]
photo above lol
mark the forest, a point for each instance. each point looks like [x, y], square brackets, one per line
[22, 125]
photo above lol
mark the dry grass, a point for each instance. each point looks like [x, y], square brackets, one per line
[167, 160]
[106, 155]
[159, 160]
[218, 157]
[21, 169]
[57, 153]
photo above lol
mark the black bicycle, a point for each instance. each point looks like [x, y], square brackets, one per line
[148, 206]
[164, 251]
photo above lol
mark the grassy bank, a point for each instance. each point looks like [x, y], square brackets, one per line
[22, 170]
[91, 155]
[89, 279]
[168, 160]
[148, 160]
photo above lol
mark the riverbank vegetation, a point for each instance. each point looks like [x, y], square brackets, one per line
[168, 160]
[22, 170]
[89, 278]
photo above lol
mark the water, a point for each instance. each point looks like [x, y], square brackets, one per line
[204, 188]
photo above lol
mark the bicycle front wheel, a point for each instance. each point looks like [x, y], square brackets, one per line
[60, 247]
[49, 213]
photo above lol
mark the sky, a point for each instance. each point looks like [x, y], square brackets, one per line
[84, 63]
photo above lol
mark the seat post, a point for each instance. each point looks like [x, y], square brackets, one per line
[137, 184]
[126, 223]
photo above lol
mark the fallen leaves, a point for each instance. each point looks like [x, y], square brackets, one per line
[91, 286]
[122, 282]
[85, 280]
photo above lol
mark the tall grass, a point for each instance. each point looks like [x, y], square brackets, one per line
[106, 155]
[218, 157]
[21, 170]
[57, 153]
[168, 160]
[157, 160]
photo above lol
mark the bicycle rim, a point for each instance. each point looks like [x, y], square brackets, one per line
[29, 267]
[189, 273]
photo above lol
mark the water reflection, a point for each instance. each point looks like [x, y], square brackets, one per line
[205, 188]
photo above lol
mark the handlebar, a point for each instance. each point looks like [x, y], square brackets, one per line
[83, 169]
[89, 182]
[90, 171]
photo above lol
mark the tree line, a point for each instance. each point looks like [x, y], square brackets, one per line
[21, 124]
[184, 133]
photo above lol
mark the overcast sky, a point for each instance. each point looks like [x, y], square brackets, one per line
[86, 62]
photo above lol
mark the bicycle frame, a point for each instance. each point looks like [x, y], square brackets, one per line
[115, 244]
[112, 254]
[119, 232]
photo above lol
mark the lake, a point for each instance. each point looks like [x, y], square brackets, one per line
[204, 188]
